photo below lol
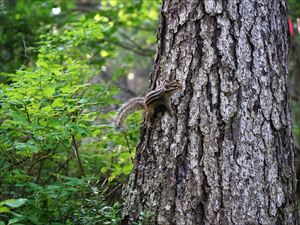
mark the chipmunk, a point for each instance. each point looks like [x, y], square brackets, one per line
[160, 96]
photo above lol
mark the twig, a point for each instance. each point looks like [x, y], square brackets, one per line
[75, 148]
[150, 29]
[141, 53]
[45, 156]
[25, 49]
[115, 188]
[149, 51]
[124, 89]
[39, 171]
[61, 166]
[27, 114]
[128, 146]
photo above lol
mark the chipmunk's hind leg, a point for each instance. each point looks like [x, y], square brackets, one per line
[148, 115]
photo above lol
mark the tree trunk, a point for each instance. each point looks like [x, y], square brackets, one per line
[227, 155]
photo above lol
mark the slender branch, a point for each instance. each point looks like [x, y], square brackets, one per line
[124, 89]
[115, 188]
[141, 53]
[12, 158]
[39, 89]
[27, 114]
[25, 49]
[128, 146]
[75, 148]
[150, 29]
[38, 176]
[61, 166]
[45, 156]
[139, 47]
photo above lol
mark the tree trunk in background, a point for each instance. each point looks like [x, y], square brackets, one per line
[227, 155]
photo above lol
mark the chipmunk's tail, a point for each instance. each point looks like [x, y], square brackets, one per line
[128, 107]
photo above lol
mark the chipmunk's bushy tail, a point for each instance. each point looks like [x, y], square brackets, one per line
[130, 106]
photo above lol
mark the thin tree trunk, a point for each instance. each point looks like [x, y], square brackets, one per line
[227, 156]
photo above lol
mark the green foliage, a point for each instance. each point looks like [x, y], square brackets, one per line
[47, 112]
[95, 212]
[64, 202]
[294, 9]
[61, 160]
[144, 218]
[294, 68]
[8, 205]
[24, 21]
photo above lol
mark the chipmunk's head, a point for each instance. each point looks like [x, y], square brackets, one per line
[172, 86]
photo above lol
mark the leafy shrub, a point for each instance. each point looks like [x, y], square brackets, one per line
[61, 160]
[53, 130]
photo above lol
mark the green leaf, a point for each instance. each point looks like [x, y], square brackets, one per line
[125, 155]
[104, 169]
[42, 64]
[47, 108]
[54, 122]
[83, 100]
[104, 53]
[29, 146]
[127, 169]
[15, 203]
[68, 89]
[35, 186]
[59, 102]
[33, 218]
[13, 221]
[18, 117]
[74, 181]
[112, 177]
[53, 187]
[49, 91]
[4, 209]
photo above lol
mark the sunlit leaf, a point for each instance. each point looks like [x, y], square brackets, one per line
[15, 203]
[4, 209]
[104, 53]
[49, 91]
[104, 169]
[59, 102]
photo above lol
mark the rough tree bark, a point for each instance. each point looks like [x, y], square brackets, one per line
[227, 155]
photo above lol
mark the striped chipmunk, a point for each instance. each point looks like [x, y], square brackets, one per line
[160, 96]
